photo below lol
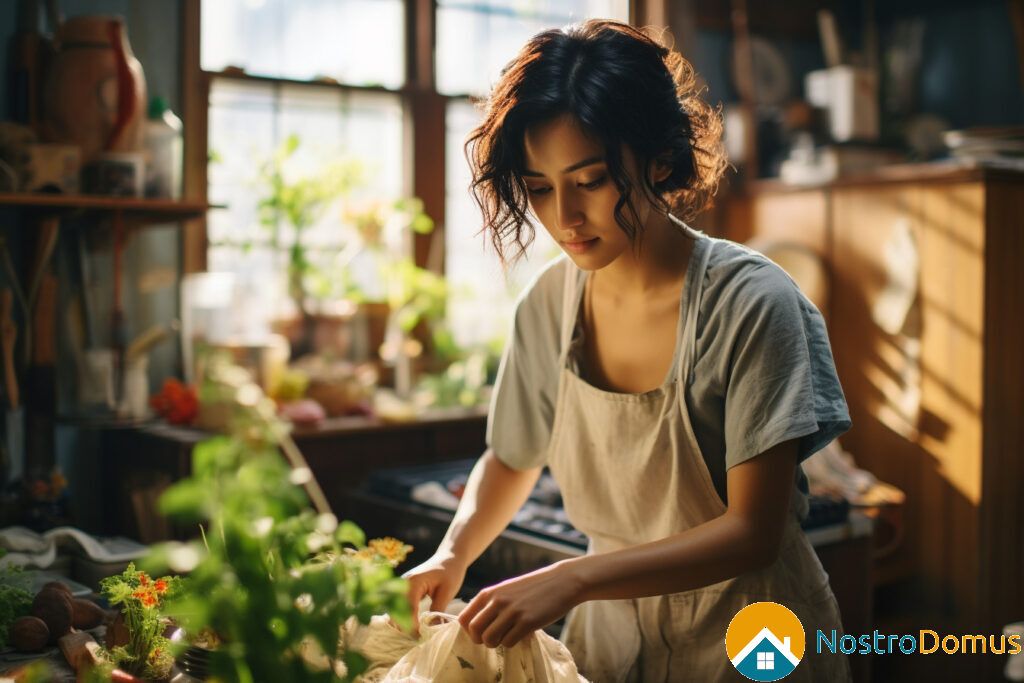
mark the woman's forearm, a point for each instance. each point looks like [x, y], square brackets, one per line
[746, 537]
[714, 551]
[493, 495]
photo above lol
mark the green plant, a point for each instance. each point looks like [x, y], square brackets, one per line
[298, 201]
[15, 600]
[463, 383]
[147, 653]
[382, 228]
[414, 294]
[272, 577]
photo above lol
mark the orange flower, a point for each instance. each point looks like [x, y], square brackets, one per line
[161, 586]
[143, 579]
[391, 549]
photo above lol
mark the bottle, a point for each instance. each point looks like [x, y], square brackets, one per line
[164, 148]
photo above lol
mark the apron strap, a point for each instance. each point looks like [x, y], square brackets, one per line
[568, 319]
[686, 362]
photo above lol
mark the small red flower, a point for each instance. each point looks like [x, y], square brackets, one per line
[143, 579]
[161, 586]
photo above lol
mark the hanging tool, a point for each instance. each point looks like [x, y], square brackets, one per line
[8, 337]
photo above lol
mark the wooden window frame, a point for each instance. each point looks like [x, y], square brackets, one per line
[424, 108]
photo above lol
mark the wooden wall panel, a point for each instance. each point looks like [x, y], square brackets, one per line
[1002, 586]
[800, 217]
[872, 365]
[959, 456]
[952, 229]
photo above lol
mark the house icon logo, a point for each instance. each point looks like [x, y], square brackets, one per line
[765, 641]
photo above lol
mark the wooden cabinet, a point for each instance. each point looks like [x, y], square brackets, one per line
[936, 403]
[136, 463]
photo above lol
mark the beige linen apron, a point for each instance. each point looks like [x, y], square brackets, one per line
[631, 471]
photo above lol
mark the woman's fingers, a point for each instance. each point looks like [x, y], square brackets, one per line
[515, 634]
[477, 621]
[505, 622]
[441, 597]
[418, 588]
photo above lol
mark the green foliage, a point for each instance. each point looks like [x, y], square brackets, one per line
[299, 202]
[463, 383]
[148, 653]
[272, 578]
[414, 293]
[15, 600]
[38, 672]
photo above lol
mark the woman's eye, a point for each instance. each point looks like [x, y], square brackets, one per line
[536, 191]
[594, 184]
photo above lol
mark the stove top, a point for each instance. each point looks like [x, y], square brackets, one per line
[543, 516]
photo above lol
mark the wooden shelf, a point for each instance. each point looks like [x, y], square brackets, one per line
[147, 210]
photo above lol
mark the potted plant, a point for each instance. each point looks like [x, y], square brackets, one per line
[291, 203]
[275, 574]
[136, 641]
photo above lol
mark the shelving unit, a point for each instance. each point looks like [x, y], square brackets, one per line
[138, 210]
[42, 214]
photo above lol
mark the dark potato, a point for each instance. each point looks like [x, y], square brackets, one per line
[54, 608]
[29, 634]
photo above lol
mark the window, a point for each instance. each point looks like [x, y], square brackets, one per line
[282, 68]
[492, 31]
[766, 661]
[332, 72]
[248, 121]
[357, 42]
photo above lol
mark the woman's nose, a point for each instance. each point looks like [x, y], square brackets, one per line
[569, 211]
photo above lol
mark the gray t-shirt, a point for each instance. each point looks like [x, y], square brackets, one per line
[763, 370]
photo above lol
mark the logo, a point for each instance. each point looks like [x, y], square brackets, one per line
[765, 641]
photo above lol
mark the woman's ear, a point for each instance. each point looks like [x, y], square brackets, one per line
[660, 170]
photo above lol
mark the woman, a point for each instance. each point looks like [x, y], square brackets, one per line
[670, 381]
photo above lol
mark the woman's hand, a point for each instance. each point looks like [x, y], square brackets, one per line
[506, 613]
[440, 577]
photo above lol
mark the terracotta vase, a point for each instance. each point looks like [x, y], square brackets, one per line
[95, 91]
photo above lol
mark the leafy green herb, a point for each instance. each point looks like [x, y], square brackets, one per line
[15, 599]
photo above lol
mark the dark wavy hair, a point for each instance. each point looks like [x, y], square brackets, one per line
[623, 87]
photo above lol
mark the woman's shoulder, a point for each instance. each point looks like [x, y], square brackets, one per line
[542, 295]
[538, 309]
[738, 274]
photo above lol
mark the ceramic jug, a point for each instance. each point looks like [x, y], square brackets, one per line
[95, 91]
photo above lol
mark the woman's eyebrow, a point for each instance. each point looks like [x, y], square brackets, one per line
[589, 161]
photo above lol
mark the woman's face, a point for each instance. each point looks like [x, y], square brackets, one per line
[572, 194]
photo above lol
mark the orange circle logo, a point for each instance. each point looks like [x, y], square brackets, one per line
[765, 641]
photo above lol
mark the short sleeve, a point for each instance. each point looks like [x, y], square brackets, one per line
[522, 406]
[782, 382]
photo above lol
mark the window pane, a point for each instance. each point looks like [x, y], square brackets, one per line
[492, 31]
[248, 122]
[357, 42]
[483, 298]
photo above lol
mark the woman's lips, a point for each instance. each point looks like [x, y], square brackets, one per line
[580, 246]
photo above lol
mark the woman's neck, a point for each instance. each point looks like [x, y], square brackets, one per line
[658, 264]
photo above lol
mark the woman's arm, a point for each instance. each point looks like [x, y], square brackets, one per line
[745, 538]
[494, 493]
